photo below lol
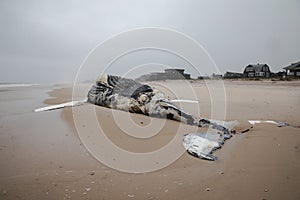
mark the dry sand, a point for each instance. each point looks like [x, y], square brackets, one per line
[42, 157]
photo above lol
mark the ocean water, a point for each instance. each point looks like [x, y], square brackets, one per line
[18, 99]
[10, 85]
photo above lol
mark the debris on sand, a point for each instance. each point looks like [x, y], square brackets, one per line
[279, 124]
[92, 173]
[130, 195]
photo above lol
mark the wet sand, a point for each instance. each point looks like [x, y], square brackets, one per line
[42, 156]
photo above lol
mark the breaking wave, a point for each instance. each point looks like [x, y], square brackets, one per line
[10, 85]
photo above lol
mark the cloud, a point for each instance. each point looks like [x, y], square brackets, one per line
[56, 36]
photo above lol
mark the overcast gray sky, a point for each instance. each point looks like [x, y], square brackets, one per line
[46, 41]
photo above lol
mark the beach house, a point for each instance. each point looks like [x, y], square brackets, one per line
[169, 73]
[257, 71]
[233, 75]
[293, 69]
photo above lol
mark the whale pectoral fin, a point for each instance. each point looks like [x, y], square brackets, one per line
[175, 113]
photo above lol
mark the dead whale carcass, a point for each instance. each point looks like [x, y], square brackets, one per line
[129, 95]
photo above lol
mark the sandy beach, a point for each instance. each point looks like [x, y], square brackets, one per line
[43, 157]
